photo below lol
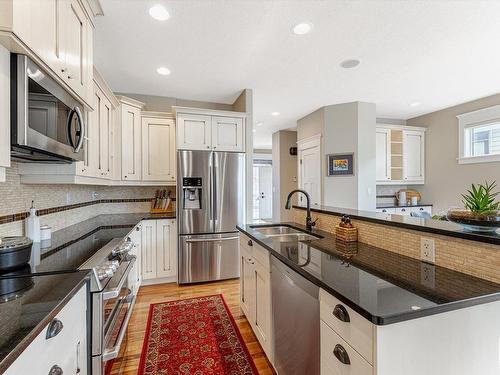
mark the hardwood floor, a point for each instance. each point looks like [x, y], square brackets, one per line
[128, 362]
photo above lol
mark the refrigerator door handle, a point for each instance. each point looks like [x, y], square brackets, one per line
[214, 187]
[211, 190]
[212, 239]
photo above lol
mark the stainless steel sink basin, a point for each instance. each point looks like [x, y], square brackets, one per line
[277, 230]
[293, 237]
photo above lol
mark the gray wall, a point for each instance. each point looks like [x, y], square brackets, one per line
[284, 172]
[445, 179]
[165, 104]
[311, 124]
[350, 127]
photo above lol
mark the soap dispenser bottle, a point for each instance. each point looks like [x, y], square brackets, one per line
[32, 224]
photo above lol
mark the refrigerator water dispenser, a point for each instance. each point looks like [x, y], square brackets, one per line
[191, 193]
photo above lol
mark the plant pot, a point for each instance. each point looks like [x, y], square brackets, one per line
[487, 222]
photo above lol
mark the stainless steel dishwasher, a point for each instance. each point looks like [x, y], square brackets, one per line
[296, 325]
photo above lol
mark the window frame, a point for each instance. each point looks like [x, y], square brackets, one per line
[473, 119]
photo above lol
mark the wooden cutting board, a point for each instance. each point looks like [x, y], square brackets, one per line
[409, 194]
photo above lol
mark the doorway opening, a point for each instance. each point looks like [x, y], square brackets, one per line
[262, 189]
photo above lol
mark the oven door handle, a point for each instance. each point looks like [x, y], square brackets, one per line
[113, 352]
[115, 292]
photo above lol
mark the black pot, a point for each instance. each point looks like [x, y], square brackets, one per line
[15, 252]
[14, 283]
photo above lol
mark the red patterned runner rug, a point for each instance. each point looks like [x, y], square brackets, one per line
[195, 336]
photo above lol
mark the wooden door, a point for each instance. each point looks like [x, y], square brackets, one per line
[413, 156]
[194, 132]
[228, 134]
[131, 142]
[158, 149]
[148, 249]
[383, 154]
[166, 249]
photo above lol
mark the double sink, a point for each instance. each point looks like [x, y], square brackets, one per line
[284, 233]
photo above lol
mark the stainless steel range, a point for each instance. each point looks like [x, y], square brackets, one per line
[112, 300]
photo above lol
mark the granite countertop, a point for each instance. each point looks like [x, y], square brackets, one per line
[28, 310]
[74, 233]
[445, 228]
[382, 286]
[393, 205]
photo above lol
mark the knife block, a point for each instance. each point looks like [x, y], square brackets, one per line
[168, 210]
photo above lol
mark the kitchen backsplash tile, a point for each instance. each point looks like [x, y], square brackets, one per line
[15, 199]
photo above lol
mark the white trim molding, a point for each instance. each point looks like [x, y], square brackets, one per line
[471, 119]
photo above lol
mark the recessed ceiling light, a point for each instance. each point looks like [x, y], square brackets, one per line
[348, 64]
[158, 12]
[275, 113]
[302, 28]
[163, 71]
[259, 123]
[414, 104]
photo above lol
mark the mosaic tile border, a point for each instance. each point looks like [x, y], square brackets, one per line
[47, 211]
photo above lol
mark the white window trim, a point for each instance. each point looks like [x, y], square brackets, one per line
[471, 119]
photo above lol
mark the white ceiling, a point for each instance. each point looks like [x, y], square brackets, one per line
[438, 53]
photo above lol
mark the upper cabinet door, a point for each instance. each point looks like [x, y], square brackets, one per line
[131, 142]
[383, 158]
[77, 46]
[228, 134]
[413, 155]
[105, 137]
[194, 132]
[158, 149]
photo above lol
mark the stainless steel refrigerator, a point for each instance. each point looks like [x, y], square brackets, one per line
[210, 202]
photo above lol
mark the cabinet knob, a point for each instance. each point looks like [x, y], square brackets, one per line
[63, 70]
[56, 370]
[250, 243]
[341, 313]
[124, 176]
[70, 77]
[55, 326]
[208, 146]
[341, 354]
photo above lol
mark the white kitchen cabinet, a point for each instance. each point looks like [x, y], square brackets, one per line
[166, 249]
[105, 138]
[228, 134]
[135, 275]
[58, 34]
[202, 129]
[4, 111]
[413, 156]
[400, 155]
[255, 291]
[67, 350]
[194, 132]
[130, 124]
[383, 158]
[159, 249]
[388, 210]
[158, 148]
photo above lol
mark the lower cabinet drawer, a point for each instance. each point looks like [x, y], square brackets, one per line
[66, 350]
[348, 324]
[338, 357]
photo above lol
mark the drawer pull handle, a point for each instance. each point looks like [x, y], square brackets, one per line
[341, 354]
[55, 326]
[56, 370]
[250, 243]
[341, 314]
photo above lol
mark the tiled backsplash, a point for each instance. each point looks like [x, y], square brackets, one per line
[72, 203]
[473, 258]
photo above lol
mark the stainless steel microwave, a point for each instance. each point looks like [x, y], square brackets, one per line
[47, 123]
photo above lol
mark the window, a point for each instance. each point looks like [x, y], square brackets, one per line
[479, 136]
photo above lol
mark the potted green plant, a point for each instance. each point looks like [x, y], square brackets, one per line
[481, 212]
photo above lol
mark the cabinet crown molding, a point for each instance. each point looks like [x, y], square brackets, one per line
[168, 115]
[133, 102]
[210, 112]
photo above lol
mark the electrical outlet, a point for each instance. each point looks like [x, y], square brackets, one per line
[427, 250]
[68, 197]
[428, 275]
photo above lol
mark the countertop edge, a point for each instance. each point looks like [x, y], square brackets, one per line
[25, 342]
[377, 320]
[420, 228]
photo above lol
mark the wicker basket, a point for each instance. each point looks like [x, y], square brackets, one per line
[347, 249]
[346, 234]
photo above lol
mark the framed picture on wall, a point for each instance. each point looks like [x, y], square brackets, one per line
[340, 164]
